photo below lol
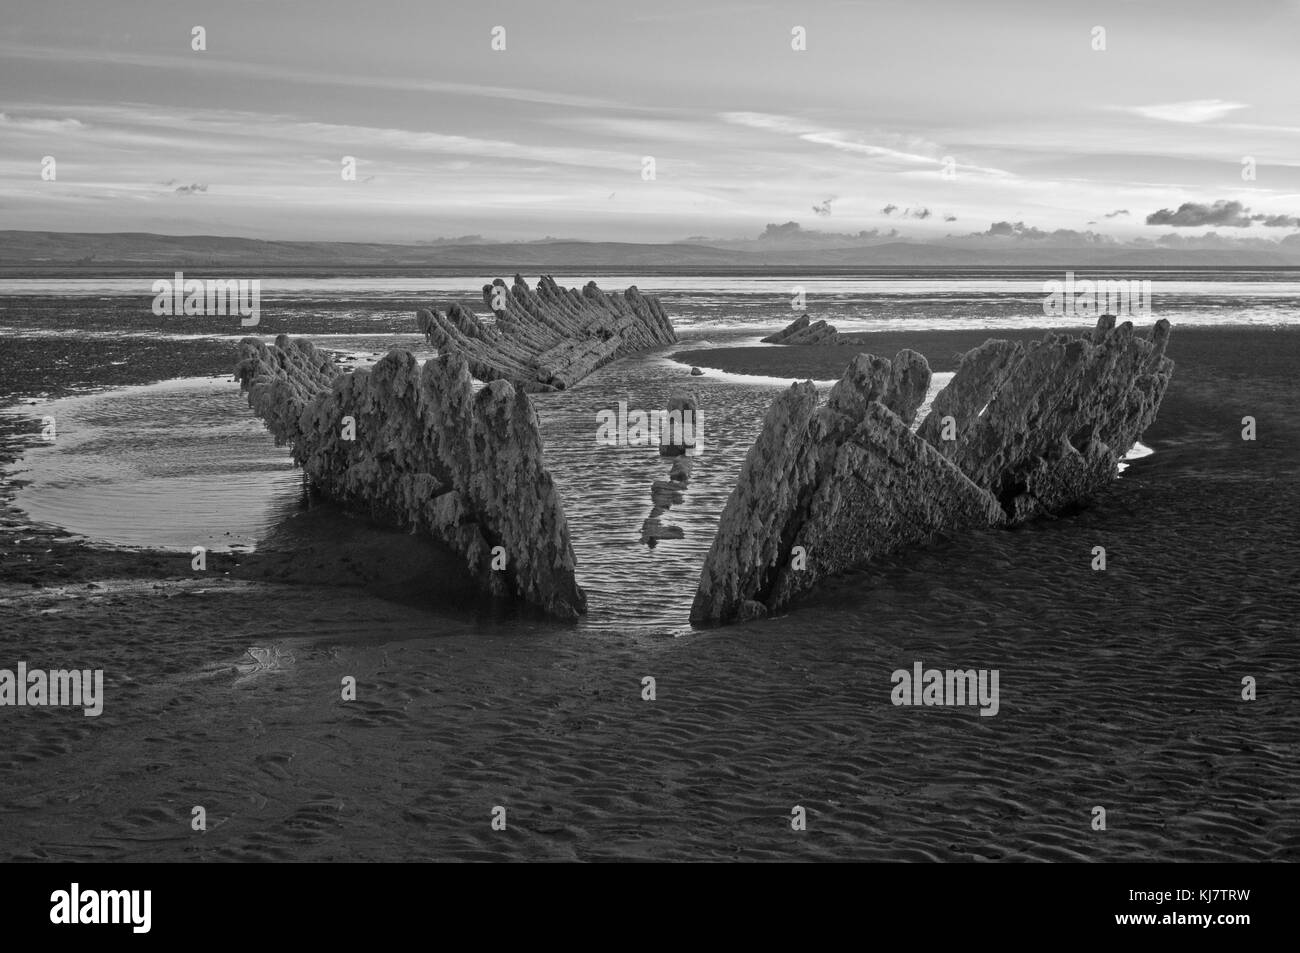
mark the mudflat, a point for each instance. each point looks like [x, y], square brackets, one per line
[1120, 688]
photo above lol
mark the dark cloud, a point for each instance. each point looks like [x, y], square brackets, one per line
[1277, 221]
[921, 212]
[1197, 214]
[1015, 230]
[1020, 231]
[1117, 212]
[950, 218]
[1230, 214]
[825, 207]
[191, 189]
[788, 230]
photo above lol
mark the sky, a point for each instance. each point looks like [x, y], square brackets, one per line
[929, 117]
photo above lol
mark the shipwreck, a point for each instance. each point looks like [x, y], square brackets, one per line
[548, 338]
[418, 448]
[1019, 432]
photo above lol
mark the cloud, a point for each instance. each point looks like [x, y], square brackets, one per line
[1277, 221]
[950, 218]
[920, 212]
[905, 152]
[794, 232]
[1230, 214]
[1195, 110]
[837, 141]
[1118, 211]
[38, 124]
[190, 189]
[243, 133]
[187, 63]
[1057, 237]
[1015, 230]
[1196, 214]
[825, 207]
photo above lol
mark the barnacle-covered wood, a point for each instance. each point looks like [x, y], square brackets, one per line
[427, 454]
[1044, 426]
[1018, 432]
[828, 488]
[548, 338]
[803, 330]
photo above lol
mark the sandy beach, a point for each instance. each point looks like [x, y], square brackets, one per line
[1119, 688]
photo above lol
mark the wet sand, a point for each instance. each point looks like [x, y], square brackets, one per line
[1230, 350]
[1118, 688]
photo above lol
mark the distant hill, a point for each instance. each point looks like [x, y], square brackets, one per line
[87, 253]
[116, 249]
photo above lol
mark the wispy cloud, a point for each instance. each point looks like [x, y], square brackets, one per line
[213, 131]
[1193, 110]
[266, 71]
[38, 124]
[819, 135]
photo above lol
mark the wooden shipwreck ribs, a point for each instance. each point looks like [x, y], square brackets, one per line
[1018, 432]
[426, 453]
[548, 338]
